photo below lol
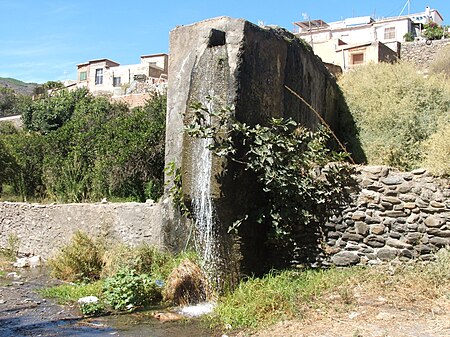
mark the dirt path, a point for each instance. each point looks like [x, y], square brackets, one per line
[370, 317]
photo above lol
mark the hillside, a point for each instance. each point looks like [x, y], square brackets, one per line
[18, 86]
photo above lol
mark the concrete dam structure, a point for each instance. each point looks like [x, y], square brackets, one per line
[225, 62]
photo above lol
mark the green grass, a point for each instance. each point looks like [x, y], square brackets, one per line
[263, 301]
[69, 293]
[259, 302]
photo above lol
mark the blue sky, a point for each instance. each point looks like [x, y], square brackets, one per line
[42, 40]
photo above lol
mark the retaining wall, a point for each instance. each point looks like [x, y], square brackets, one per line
[395, 216]
[421, 54]
[44, 229]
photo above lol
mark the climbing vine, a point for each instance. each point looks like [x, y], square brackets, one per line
[302, 179]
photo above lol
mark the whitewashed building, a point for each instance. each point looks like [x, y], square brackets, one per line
[104, 76]
[354, 41]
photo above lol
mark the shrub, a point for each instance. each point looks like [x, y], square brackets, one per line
[437, 152]
[79, 261]
[433, 31]
[127, 290]
[396, 110]
[441, 64]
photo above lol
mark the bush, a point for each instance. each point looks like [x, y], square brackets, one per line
[433, 31]
[79, 261]
[127, 290]
[437, 152]
[441, 64]
[396, 110]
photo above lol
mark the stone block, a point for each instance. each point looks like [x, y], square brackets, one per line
[358, 216]
[407, 197]
[345, 259]
[375, 241]
[352, 237]
[387, 254]
[440, 242]
[392, 180]
[439, 232]
[361, 228]
[434, 221]
[377, 229]
[398, 244]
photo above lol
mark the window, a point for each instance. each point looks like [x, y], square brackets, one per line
[99, 76]
[116, 81]
[389, 33]
[358, 58]
[83, 76]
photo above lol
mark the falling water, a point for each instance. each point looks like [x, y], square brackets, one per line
[202, 200]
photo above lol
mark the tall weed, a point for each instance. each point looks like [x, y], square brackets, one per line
[396, 111]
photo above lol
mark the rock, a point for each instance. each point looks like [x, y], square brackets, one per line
[398, 244]
[385, 316]
[167, 316]
[409, 205]
[412, 218]
[407, 197]
[88, 299]
[387, 254]
[358, 216]
[13, 275]
[440, 242]
[32, 262]
[352, 237]
[434, 221]
[372, 169]
[395, 214]
[377, 229]
[404, 188]
[413, 237]
[374, 241]
[393, 180]
[345, 259]
[438, 232]
[405, 253]
[418, 171]
[421, 203]
[361, 228]
[436, 204]
[424, 249]
[392, 200]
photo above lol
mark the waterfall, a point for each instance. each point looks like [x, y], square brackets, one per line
[202, 201]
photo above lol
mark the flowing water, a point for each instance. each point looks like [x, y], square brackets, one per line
[203, 203]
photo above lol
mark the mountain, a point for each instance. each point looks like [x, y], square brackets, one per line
[18, 86]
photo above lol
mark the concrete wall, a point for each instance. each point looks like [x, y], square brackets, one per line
[44, 229]
[246, 66]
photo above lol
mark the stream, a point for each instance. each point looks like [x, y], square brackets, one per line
[23, 312]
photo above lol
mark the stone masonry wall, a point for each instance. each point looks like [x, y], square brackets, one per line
[43, 229]
[421, 54]
[395, 216]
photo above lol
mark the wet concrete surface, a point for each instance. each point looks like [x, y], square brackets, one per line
[23, 312]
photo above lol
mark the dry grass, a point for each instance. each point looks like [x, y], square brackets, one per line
[311, 296]
[396, 111]
[187, 284]
[441, 64]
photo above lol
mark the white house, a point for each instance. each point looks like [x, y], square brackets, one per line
[106, 76]
[330, 40]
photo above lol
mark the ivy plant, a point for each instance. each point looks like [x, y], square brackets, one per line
[302, 179]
